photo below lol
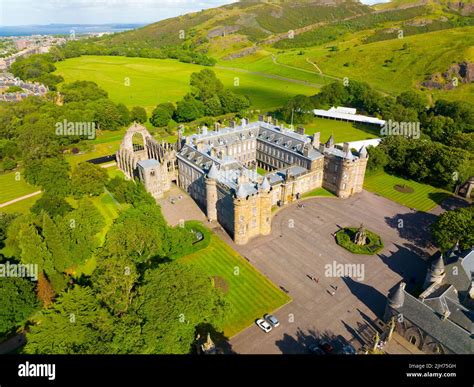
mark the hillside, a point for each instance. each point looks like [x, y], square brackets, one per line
[321, 40]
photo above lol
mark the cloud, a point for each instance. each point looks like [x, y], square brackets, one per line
[22, 12]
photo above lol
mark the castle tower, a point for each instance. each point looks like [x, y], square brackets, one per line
[265, 208]
[241, 215]
[211, 193]
[361, 167]
[436, 272]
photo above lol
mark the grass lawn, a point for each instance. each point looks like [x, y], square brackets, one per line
[423, 198]
[99, 150]
[261, 171]
[318, 192]
[114, 172]
[342, 131]
[152, 81]
[250, 294]
[22, 207]
[12, 188]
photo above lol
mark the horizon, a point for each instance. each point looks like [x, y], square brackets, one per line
[91, 12]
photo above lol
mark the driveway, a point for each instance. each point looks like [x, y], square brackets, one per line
[302, 243]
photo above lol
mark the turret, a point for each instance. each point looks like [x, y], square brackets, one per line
[397, 299]
[436, 272]
[211, 193]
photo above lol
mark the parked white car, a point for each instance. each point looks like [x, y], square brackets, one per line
[263, 325]
[272, 320]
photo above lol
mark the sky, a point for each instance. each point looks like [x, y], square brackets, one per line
[26, 12]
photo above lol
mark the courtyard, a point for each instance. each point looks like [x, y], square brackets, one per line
[299, 247]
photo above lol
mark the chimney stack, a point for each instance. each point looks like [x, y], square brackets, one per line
[316, 139]
[346, 148]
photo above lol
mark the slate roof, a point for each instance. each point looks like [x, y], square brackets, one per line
[149, 163]
[447, 332]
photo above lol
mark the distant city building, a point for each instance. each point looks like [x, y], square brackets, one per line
[347, 114]
[28, 89]
[441, 319]
[219, 170]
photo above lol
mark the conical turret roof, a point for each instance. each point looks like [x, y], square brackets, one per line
[265, 186]
[397, 299]
[213, 172]
[241, 192]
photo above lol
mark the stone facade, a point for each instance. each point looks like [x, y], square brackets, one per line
[219, 170]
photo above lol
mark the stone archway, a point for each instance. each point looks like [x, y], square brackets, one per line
[135, 129]
[127, 157]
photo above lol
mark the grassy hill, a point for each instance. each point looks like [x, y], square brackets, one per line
[317, 41]
[153, 81]
[329, 40]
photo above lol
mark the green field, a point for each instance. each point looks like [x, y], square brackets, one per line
[341, 130]
[152, 81]
[318, 192]
[13, 188]
[424, 197]
[250, 294]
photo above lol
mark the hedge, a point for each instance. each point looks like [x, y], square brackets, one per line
[344, 239]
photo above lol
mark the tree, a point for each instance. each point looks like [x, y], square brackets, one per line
[124, 114]
[88, 179]
[454, 226]
[80, 91]
[412, 99]
[51, 174]
[114, 281]
[205, 84]
[81, 227]
[138, 114]
[213, 106]
[160, 116]
[378, 159]
[189, 110]
[57, 245]
[5, 221]
[45, 291]
[139, 234]
[74, 324]
[232, 103]
[107, 115]
[334, 94]
[18, 303]
[298, 110]
[51, 204]
[174, 300]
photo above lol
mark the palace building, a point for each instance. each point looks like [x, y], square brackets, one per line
[218, 169]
